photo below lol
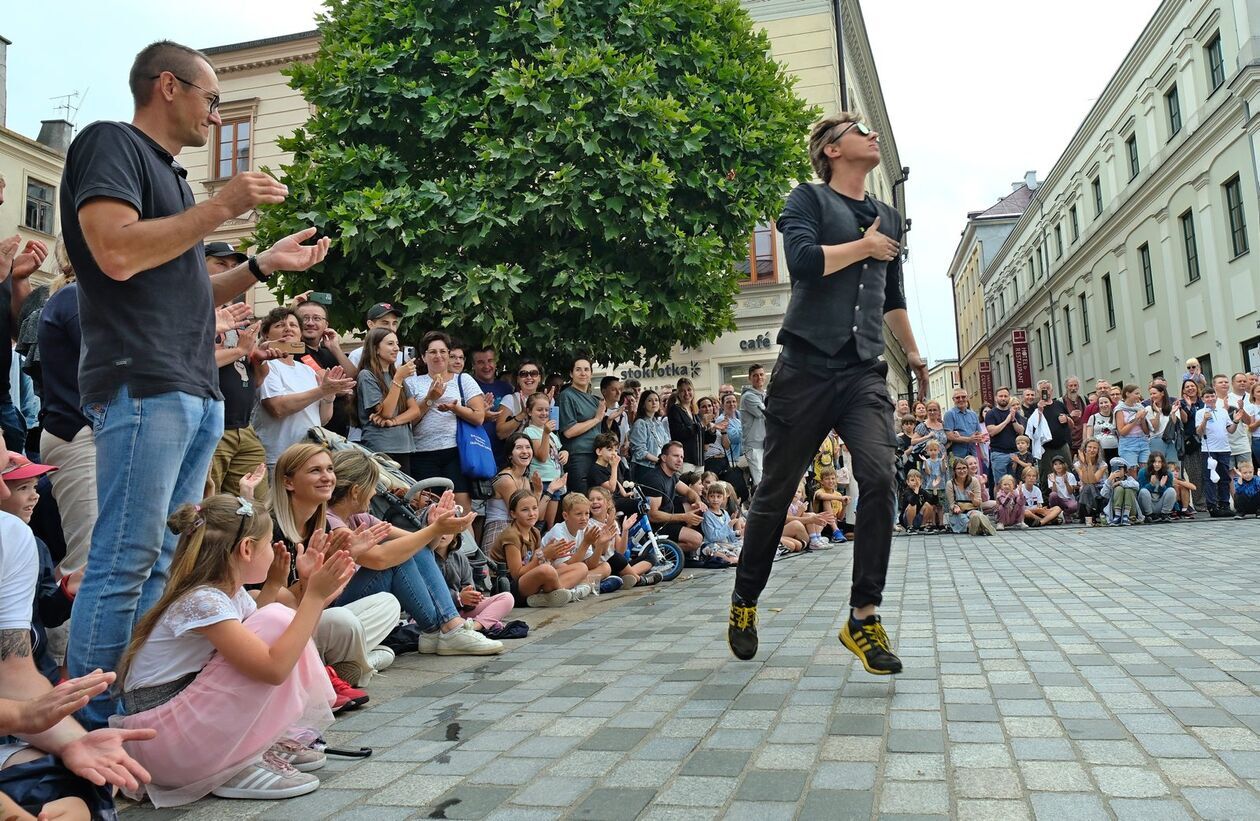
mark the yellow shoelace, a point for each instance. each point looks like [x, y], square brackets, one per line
[743, 617]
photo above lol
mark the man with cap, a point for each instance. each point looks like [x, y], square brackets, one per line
[242, 367]
[380, 315]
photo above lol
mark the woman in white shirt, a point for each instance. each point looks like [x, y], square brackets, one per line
[1102, 426]
[442, 398]
[294, 397]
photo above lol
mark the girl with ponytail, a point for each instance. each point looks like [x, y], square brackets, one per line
[233, 686]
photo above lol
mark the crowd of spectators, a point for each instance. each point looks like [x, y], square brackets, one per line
[1118, 455]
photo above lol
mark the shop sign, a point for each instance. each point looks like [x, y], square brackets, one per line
[691, 370]
[761, 342]
[1022, 360]
[986, 381]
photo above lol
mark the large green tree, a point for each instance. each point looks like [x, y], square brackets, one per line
[546, 175]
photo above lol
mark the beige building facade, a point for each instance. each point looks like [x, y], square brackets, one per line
[259, 108]
[981, 238]
[1137, 251]
[943, 378]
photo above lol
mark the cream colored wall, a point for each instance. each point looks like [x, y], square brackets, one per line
[20, 160]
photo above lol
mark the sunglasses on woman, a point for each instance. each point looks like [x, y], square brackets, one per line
[528, 374]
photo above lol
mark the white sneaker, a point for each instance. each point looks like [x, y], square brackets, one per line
[580, 592]
[428, 642]
[380, 658]
[268, 779]
[466, 641]
[556, 598]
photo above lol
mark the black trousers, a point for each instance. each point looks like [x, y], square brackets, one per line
[806, 400]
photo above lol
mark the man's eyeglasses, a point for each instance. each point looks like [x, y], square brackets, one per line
[860, 128]
[213, 100]
[527, 374]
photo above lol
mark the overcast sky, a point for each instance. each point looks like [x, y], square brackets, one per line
[978, 92]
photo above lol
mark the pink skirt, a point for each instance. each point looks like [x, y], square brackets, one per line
[224, 720]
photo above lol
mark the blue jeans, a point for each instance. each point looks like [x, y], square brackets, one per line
[1135, 451]
[14, 426]
[1216, 493]
[999, 466]
[152, 455]
[417, 583]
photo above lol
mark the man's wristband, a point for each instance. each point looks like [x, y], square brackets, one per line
[256, 270]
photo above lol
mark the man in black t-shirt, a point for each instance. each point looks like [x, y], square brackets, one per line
[668, 515]
[1004, 423]
[1059, 423]
[147, 379]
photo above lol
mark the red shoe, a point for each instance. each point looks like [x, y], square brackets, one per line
[347, 697]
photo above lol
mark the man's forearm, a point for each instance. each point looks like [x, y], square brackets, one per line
[145, 244]
[839, 257]
[231, 284]
[21, 681]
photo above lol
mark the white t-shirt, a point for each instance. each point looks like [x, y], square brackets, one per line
[1032, 496]
[1253, 410]
[561, 532]
[436, 429]
[282, 380]
[19, 573]
[1215, 434]
[1064, 485]
[1105, 431]
[173, 649]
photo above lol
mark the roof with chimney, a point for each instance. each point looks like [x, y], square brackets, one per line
[1012, 205]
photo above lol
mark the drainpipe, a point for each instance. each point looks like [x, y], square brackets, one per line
[838, 13]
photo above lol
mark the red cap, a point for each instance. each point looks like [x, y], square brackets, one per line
[20, 469]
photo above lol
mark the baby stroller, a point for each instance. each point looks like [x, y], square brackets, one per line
[403, 502]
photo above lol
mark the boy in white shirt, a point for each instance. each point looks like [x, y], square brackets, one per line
[1036, 513]
[1213, 424]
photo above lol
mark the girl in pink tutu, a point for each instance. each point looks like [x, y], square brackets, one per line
[232, 685]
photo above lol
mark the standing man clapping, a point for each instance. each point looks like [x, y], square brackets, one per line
[148, 380]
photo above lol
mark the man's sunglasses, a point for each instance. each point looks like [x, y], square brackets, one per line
[213, 99]
[860, 128]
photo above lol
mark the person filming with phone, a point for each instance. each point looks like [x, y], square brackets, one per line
[1056, 432]
[293, 398]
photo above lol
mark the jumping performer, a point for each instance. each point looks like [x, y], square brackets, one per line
[843, 252]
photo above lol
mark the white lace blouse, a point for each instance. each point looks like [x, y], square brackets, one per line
[174, 649]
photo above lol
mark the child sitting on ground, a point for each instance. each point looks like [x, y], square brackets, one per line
[1010, 504]
[1121, 491]
[233, 686]
[829, 499]
[486, 612]
[534, 580]
[1022, 458]
[721, 542]
[617, 555]
[1035, 511]
[1185, 492]
[583, 568]
[802, 527]
[1063, 488]
[915, 502]
[1246, 491]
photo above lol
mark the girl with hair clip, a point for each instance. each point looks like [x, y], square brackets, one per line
[232, 685]
[403, 563]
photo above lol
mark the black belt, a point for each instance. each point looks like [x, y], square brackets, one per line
[817, 360]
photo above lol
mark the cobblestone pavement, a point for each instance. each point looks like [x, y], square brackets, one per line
[1056, 674]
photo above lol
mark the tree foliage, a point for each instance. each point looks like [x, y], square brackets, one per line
[545, 175]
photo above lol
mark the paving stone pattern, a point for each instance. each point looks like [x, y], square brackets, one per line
[1055, 674]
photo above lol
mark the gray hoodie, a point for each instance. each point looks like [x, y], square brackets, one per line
[752, 412]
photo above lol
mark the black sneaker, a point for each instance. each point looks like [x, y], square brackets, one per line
[741, 632]
[871, 645]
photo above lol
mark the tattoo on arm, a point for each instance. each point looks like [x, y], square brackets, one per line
[14, 643]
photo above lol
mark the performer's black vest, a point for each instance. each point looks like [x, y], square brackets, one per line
[830, 310]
